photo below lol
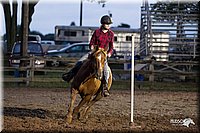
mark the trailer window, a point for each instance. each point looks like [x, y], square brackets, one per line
[128, 38]
[115, 39]
[70, 33]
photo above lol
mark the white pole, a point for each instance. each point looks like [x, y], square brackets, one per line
[132, 79]
[1, 91]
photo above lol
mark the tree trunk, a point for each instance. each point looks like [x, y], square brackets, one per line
[30, 14]
[13, 31]
[24, 35]
[10, 22]
[7, 14]
[24, 28]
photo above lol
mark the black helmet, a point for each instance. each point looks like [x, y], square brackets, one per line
[106, 20]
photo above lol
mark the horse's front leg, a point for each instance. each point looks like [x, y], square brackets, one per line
[74, 92]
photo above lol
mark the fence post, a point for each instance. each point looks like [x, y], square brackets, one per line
[151, 68]
[28, 72]
[27, 76]
[32, 68]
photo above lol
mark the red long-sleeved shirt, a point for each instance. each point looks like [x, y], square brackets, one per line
[103, 40]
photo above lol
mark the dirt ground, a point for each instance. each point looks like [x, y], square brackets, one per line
[32, 110]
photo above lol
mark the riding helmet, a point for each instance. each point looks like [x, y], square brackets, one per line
[106, 20]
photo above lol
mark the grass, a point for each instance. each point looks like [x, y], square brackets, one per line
[54, 80]
[125, 85]
[169, 86]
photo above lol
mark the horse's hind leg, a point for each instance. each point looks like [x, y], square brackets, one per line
[84, 100]
[94, 100]
[74, 92]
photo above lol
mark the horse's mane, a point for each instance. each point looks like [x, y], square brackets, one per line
[85, 70]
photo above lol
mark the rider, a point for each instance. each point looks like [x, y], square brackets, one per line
[103, 38]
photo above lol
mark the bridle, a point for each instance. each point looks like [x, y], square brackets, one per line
[99, 64]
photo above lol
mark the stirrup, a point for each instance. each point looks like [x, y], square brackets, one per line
[105, 91]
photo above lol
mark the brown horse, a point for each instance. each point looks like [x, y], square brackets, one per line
[87, 83]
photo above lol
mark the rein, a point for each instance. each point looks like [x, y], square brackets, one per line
[103, 51]
[89, 77]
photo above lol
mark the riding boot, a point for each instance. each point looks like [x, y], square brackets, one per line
[105, 89]
[69, 75]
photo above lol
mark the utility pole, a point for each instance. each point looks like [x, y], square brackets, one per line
[81, 12]
[81, 8]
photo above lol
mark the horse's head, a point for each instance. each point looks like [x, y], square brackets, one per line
[98, 58]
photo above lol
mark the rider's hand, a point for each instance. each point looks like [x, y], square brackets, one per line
[109, 54]
[92, 47]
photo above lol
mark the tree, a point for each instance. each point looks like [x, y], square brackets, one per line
[36, 33]
[123, 25]
[49, 36]
[11, 20]
[73, 23]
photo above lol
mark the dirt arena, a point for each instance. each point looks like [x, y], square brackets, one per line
[44, 110]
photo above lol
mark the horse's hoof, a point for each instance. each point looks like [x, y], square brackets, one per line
[69, 119]
[86, 116]
[68, 125]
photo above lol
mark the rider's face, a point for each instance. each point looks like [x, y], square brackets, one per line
[106, 26]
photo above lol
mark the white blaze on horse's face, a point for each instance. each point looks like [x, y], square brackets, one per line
[99, 58]
[99, 66]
